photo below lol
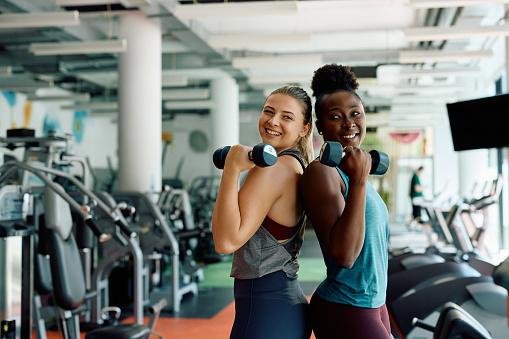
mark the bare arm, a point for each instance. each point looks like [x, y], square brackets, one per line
[339, 224]
[238, 214]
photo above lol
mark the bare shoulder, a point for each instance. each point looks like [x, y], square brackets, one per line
[280, 171]
[319, 177]
[316, 169]
[289, 163]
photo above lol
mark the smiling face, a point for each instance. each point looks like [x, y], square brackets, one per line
[281, 122]
[342, 119]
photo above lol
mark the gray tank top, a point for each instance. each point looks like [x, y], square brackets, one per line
[263, 254]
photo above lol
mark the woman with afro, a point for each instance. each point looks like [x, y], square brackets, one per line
[349, 217]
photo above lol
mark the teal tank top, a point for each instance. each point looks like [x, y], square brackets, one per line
[365, 284]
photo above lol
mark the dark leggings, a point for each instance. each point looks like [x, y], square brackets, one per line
[416, 212]
[332, 320]
[272, 306]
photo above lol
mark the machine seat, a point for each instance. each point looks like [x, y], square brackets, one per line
[122, 331]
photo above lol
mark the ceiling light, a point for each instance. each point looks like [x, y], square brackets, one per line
[393, 74]
[169, 79]
[428, 90]
[423, 99]
[451, 3]
[409, 57]
[22, 83]
[388, 91]
[79, 47]
[278, 61]
[454, 32]
[68, 97]
[94, 105]
[415, 120]
[188, 104]
[235, 9]
[85, 2]
[440, 72]
[279, 79]
[377, 120]
[109, 79]
[185, 94]
[205, 73]
[174, 46]
[246, 41]
[135, 3]
[5, 71]
[304, 6]
[39, 19]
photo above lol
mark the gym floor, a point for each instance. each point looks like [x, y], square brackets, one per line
[210, 314]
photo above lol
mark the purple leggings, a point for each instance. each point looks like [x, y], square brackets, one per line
[332, 320]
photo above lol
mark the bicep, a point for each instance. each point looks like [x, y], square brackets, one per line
[323, 202]
[259, 192]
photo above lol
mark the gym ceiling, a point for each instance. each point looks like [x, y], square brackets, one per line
[411, 55]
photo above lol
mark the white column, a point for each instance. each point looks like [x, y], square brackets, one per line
[506, 8]
[473, 168]
[503, 202]
[445, 161]
[224, 113]
[139, 95]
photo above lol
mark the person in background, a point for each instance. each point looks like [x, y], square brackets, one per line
[262, 224]
[350, 219]
[416, 195]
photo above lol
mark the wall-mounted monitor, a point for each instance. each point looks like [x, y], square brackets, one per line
[479, 123]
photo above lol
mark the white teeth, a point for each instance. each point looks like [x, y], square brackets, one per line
[351, 136]
[271, 132]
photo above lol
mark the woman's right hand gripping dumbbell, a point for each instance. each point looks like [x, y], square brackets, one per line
[356, 163]
[242, 158]
[238, 158]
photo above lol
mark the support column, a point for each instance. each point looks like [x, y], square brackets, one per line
[473, 168]
[139, 95]
[224, 113]
[503, 158]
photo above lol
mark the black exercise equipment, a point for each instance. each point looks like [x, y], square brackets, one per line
[421, 302]
[262, 155]
[419, 277]
[454, 322]
[501, 274]
[16, 279]
[451, 228]
[69, 286]
[331, 154]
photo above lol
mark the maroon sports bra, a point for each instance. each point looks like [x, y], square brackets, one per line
[279, 231]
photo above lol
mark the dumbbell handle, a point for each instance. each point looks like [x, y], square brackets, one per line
[250, 155]
[332, 153]
[262, 155]
[379, 162]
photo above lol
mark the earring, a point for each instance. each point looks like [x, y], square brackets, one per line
[320, 132]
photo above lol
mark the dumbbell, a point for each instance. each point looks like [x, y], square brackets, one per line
[262, 155]
[332, 153]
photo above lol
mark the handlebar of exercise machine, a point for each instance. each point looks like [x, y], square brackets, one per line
[54, 187]
[113, 213]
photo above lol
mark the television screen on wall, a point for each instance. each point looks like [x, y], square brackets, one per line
[479, 123]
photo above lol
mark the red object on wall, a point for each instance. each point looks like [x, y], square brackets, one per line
[405, 137]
